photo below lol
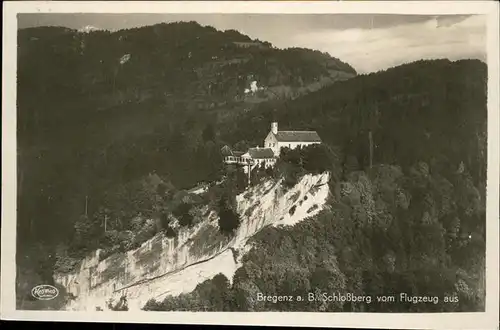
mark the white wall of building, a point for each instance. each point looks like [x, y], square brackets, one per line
[271, 142]
[292, 145]
[270, 162]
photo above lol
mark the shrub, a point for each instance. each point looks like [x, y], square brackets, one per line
[152, 305]
[104, 254]
[121, 305]
[125, 239]
[312, 208]
[316, 159]
[229, 220]
[294, 163]
[145, 233]
[291, 177]
[137, 223]
[182, 212]
[111, 238]
[170, 232]
[64, 263]
[164, 220]
[270, 171]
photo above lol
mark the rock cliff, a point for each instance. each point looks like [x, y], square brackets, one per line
[170, 266]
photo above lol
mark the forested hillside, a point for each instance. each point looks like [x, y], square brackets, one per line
[411, 220]
[433, 111]
[98, 111]
[112, 127]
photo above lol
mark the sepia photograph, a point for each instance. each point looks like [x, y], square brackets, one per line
[208, 159]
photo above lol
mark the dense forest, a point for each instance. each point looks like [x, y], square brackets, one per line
[385, 232]
[406, 215]
[114, 127]
[432, 111]
[104, 116]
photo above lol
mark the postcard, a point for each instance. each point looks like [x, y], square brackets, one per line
[324, 164]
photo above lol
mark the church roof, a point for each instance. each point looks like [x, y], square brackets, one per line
[298, 136]
[260, 153]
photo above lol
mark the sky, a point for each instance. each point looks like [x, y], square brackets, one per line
[367, 42]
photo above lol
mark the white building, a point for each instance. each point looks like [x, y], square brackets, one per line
[273, 143]
[290, 139]
[260, 156]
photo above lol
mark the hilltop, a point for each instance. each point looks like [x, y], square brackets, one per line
[175, 68]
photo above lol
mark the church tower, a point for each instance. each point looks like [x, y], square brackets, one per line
[274, 127]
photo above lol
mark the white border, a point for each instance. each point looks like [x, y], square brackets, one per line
[487, 320]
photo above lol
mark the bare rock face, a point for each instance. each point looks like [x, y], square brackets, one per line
[170, 266]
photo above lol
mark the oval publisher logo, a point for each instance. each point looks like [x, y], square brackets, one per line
[44, 292]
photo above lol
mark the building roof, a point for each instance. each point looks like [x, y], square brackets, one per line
[227, 151]
[260, 153]
[297, 136]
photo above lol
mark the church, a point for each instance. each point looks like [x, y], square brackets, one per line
[270, 151]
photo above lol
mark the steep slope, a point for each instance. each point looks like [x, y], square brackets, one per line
[410, 218]
[412, 111]
[384, 232]
[100, 109]
[417, 223]
[171, 266]
[66, 77]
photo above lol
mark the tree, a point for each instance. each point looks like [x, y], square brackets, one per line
[208, 133]
[64, 263]
[229, 220]
[164, 220]
[182, 212]
[241, 180]
[85, 234]
[316, 159]
[121, 305]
